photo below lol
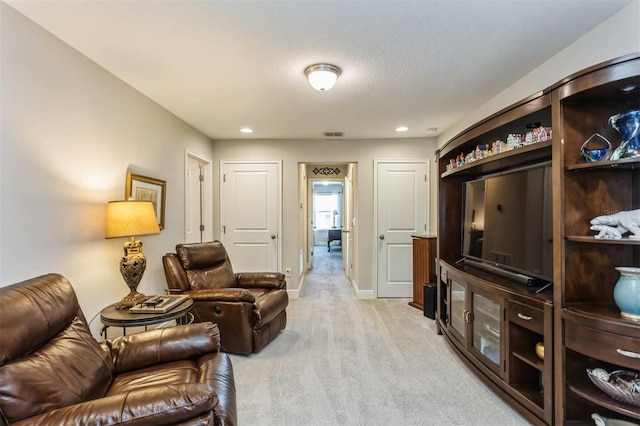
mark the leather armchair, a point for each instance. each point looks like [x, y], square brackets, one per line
[249, 308]
[52, 370]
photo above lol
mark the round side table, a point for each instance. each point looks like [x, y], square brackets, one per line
[113, 317]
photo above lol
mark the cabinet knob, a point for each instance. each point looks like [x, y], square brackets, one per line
[382, 237]
[524, 317]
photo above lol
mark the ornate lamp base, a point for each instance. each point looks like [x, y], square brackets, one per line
[132, 266]
[131, 300]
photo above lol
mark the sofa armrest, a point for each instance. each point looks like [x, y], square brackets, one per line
[174, 273]
[162, 345]
[157, 405]
[273, 280]
[221, 295]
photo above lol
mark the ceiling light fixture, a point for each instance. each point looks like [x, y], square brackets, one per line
[402, 129]
[246, 130]
[322, 77]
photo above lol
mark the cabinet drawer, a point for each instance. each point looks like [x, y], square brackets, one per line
[615, 349]
[526, 316]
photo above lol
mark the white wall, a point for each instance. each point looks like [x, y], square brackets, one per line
[615, 37]
[69, 132]
[292, 152]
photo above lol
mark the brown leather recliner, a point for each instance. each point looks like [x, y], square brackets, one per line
[249, 308]
[53, 372]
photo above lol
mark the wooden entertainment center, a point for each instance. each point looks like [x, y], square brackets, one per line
[494, 322]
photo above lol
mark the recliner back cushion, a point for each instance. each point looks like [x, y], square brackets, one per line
[48, 357]
[32, 312]
[207, 265]
[68, 369]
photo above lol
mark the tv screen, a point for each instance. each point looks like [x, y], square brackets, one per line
[507, 221]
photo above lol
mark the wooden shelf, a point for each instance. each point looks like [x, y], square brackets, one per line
[625, 163]
[530, 359]
[588, 391]
[505, 160]
[532, 394]
[601, 315]
[593, 240]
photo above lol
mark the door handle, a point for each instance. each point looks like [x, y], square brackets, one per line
[273, 236]
[382, 237]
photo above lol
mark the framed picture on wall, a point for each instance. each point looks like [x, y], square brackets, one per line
[144, 188]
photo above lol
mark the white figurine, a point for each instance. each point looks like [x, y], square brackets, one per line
[613, 226]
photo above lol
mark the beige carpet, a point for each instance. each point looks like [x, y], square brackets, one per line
[344, 361]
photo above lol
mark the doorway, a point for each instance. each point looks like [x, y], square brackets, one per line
[328, 211]
[198, 219]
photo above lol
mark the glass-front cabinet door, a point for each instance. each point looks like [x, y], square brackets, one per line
[487, 314]
[459, 314]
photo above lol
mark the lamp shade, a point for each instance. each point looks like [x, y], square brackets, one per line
[322, 76]
[129, 218]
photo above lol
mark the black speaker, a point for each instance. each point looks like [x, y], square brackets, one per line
[430, 295]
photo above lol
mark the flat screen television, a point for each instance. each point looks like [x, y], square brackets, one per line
[507, 223]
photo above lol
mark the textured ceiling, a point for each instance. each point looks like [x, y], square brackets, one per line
[223, 65]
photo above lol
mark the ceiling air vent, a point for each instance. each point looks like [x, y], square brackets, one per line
[333, 134]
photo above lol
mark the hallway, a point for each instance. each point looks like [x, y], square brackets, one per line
[327, 274]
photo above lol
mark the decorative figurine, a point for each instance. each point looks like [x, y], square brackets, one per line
[613, 226]
[596, 148]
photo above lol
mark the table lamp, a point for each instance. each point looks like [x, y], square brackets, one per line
[128, 219]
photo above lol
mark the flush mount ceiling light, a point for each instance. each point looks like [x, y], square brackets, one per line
[322, 77]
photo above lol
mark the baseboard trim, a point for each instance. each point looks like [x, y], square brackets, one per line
[293, 294]
[363, 294]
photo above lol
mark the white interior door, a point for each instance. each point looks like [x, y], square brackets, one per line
[401, 211]
[347, 234]
[198, 218]
[250, 214]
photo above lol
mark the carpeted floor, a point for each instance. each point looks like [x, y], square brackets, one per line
[344, 361]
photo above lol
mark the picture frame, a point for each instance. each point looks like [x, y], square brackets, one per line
[144, 188]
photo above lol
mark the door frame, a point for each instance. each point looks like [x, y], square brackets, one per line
[207, 194]
[376, 163]
[279, 233]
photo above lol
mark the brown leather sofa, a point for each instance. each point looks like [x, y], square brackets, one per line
[249, 308]
[53, 372]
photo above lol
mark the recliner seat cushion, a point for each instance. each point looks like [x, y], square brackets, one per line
[171, 373]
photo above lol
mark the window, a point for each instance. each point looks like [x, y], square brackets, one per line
[325, 208]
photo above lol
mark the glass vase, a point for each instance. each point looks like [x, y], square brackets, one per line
[628, 125]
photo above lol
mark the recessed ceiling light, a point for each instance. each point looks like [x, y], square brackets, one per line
[246, 130]
[402, 129]
[629, 88]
